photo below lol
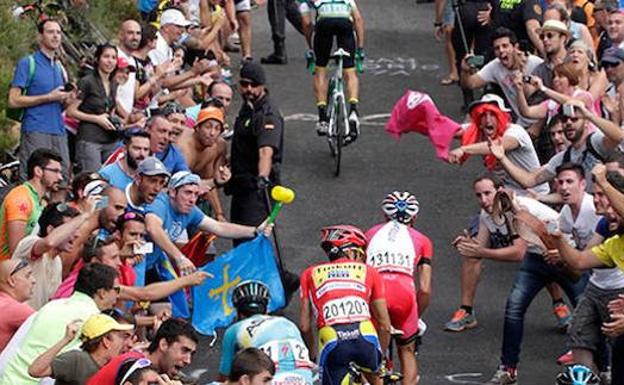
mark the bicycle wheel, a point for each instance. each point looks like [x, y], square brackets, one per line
[339, 132]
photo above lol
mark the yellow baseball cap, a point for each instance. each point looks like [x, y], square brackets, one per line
[99, 324]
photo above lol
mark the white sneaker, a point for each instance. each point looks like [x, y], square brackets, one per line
[322, 128]
[234, 38]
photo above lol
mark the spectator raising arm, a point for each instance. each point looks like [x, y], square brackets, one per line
[42, 366]
[525, 178]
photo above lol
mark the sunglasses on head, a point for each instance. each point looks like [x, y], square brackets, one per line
[247, 83]
[141, 363]
[20, 266]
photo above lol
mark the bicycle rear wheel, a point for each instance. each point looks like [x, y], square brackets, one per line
[339, 132]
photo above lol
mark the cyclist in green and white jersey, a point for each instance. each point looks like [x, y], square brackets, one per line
[342, 19]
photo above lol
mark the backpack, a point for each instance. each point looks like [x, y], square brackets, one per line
[17, 114]
[578, 13]
[589, 149]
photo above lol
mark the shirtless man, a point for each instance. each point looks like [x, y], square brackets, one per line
[206, 154]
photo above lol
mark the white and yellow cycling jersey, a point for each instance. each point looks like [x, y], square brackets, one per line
[328, 8]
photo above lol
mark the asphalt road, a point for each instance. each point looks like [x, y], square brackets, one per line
[402, 54]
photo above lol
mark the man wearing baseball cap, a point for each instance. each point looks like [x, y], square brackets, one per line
[150, 179]
[170, 214]
[205, 152]
[102, 339]
[611, 62]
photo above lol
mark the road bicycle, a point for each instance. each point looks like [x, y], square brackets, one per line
[356, 376]
[338, 128]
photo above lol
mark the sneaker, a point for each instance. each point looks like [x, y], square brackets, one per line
[234, 38]
[566, 358]
[354, 127]
[503, 376]
[322, 127]
[563, 315]
[461, 320]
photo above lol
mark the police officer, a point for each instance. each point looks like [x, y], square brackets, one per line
[256, 157]
[279, 11]
[256, 148]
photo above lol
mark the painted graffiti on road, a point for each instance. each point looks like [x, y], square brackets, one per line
[367, 120]
[464, 378]
[398, 66]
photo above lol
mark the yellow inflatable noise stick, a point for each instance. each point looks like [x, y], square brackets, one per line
[281, 195]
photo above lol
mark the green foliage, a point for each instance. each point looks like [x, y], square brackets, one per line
[18, 38]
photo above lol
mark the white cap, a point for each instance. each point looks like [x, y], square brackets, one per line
[174, 16]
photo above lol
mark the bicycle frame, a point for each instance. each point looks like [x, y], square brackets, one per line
[336, 94]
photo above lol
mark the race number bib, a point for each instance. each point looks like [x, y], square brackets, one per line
[280, 351]
[392, 250]
[345, 310]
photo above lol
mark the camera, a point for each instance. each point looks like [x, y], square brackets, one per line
[68, 87]
[115, 121]
[568, 110]
[526, 79]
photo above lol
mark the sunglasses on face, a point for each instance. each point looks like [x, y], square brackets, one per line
[20, 266]
[248, 83]
[548, 35]
[570, 118]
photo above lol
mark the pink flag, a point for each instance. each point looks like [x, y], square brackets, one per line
[415, 111]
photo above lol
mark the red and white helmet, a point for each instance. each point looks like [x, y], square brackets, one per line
[400, 206]
[337, 238]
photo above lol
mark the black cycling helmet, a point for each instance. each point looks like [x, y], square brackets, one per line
[251, 297]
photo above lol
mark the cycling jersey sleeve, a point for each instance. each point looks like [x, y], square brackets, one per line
[304, 283]
[228, 349]
[377, 287]
[304, 7]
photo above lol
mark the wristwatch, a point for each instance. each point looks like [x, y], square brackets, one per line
[437, 24]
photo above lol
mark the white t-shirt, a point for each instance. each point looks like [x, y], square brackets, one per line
[162, 52]
[495, 72]
[582, 228]
[47, 271]
[524, 156]
[580, 156]
[125, 92]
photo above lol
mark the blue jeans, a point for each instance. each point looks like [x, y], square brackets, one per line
[533, 275]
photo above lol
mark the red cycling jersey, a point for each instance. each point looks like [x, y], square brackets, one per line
[395, 250]
[341, 291]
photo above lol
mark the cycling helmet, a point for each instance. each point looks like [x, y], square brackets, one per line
[338, 238]
[251, 297]
[577, 375]
[400, 206]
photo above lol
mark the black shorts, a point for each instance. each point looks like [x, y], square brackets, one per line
[324, 33]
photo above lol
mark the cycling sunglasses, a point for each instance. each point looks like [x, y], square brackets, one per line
[141, 363]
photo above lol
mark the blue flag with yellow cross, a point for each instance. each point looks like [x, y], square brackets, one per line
[212, 304]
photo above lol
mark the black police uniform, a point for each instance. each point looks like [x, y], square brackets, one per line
[515, 13]
[279, 11]
[256, 126]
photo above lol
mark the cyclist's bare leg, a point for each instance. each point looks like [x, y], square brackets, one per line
[353, 85]
[372, 378]
[470, 276]
[320, 85]
[409, 365]
[244, 31]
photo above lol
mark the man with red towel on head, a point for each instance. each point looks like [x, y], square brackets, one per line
[490, 121]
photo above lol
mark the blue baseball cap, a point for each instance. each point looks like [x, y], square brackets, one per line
[182, 178]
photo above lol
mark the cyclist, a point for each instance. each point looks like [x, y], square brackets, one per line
[276, 336]
[397, 250]
[339, 18]
[344, 293]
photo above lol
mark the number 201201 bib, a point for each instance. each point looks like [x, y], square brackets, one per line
[345, 310]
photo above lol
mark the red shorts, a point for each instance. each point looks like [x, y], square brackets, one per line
[402, 305]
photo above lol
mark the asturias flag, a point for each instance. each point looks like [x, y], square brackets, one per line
[212, 305]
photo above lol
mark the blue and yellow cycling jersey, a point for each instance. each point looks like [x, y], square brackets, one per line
[278, 337]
